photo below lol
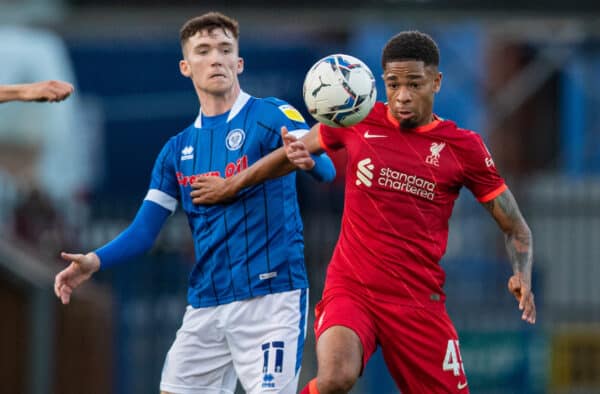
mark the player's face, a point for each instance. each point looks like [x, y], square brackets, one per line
[410, 87]
[211, 60]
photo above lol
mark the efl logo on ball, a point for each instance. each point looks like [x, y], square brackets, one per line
[339, 90]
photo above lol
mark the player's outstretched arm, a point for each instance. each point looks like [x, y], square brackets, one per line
[215, 190]
[136, 239]
[292, 155]
[505, 211]
[319, 166]
[299, 151]
[80, 269]
[52, 91]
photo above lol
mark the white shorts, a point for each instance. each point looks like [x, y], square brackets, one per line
[260, 341]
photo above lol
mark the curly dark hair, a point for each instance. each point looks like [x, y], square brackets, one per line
[411, 45]
[208, 21]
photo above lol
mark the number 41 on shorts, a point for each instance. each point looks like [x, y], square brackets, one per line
[452, 359]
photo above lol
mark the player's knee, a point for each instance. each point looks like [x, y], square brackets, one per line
[338, 380]
[335, 385]
[339, 353]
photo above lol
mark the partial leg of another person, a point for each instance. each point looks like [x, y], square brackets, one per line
[346, 340]
[199, 360]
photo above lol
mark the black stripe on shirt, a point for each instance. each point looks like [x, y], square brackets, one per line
[247, 246]
[228, 254]
[267, 251]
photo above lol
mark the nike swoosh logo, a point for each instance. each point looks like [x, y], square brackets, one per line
[367, 135]
[461, 386]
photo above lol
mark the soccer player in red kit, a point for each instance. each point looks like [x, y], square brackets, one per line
[384, 284]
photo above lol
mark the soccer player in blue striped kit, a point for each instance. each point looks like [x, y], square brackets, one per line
[247, 291]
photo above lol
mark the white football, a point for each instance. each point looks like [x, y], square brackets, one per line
[339, 90]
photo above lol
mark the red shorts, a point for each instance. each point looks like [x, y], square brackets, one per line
[419, 345]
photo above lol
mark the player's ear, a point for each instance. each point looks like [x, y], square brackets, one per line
[437, 82]
[184, 68]
[240, 65]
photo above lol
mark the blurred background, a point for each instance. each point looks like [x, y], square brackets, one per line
[524, 74]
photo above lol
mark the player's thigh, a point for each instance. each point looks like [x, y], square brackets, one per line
[199, 359]
[345, 332]
[421, 349]
[340, 358]
[266, 336]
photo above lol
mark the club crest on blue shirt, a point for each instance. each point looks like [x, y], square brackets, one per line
[235, 139]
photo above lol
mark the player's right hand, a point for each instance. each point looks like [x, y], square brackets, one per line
[296, 151]
[81, 269]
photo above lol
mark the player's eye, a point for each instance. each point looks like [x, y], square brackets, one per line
[414, 85]
[226, 50]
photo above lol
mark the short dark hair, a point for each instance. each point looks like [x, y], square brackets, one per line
[209, 21]
[411, 45]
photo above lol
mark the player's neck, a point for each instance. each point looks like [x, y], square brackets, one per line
[212, 105]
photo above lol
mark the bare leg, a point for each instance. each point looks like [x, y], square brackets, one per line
[339, 353]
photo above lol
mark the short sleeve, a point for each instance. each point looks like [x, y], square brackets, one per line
[280, 114]
[332, 138]
[164, 188]
[481, 175]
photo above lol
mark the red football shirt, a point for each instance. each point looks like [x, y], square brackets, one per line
[401, 185]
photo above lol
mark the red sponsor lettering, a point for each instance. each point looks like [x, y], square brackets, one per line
[187, 180]
[231, 169]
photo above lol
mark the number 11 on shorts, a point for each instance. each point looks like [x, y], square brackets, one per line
[452, 359]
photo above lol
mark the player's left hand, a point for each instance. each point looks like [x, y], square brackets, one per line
[296, 151]
[521, 289]
[51, 91]
[210, 190]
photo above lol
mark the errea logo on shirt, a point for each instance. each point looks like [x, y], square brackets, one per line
[187, 153]
[364, 172]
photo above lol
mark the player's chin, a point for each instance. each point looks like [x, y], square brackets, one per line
[406, 119]
[408, 122]
[218, 86]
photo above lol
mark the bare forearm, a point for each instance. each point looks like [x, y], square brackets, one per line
[215, 190]
[271, 166]
[520, 251]
[518, 239]
[51, 91]
[11, 93]
[519, 246]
